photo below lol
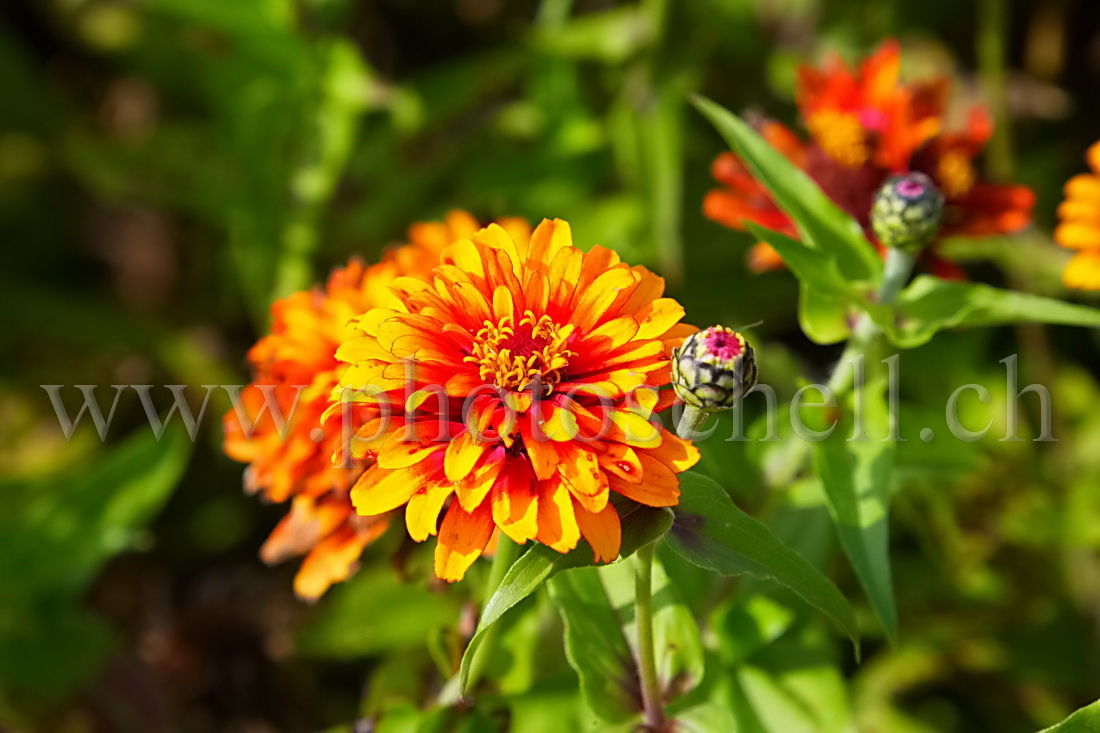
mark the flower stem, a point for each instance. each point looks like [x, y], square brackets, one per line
[691, 423]
[643, 617]
[899, 266]
[506, 554]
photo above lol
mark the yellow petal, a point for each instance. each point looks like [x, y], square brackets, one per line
[422, 512]
[598, 297]
[657, 317]
[397, 452]
[379, 490]
[636, 430]
[558, 527]
[463, 452]
[515, 508]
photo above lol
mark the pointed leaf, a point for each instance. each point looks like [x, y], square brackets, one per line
[929, 305]
[595, 645]
[711, 532]
[856, 477]
[820, 222]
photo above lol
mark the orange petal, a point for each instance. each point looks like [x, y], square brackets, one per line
[462, 537]
[540, 450]
[659, 485]
[1079, 212]
[674, 452]
[602, 530]
[331, 561]
[1083, 186]
[622, 461]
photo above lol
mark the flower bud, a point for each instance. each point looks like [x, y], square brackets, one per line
[713, 368]
[907, 211]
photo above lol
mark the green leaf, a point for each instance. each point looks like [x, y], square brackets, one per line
[822, 225]
[823, 317]
[824, 294]
[749, 624]
[856, 477]
[1085, 720]
[814, 268]
[711, 532]
[372, 613]
[929, 305]
[595, 645]
[640, 526]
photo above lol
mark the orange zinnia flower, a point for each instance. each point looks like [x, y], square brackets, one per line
[864, 127]
[1079, 229]
[297, 462]
[535, 369]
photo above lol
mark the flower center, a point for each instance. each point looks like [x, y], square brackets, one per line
[512, 356]
[956, 174]
[724, 343]
[841, 136]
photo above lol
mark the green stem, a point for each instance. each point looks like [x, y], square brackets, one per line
[506, 554]
[899, 265]
[992, 32]
[691, 423]
[643, 617]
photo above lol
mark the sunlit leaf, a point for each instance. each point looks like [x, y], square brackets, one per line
[710, 531]
[705, 718]
[929, 305]
[596, 647]
[856, 477]
[820, 222]
[372, 613]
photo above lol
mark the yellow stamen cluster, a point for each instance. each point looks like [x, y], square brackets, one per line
[956, 173]
[513, 361]
[841, 136]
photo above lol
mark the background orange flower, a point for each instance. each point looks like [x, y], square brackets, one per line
[864, 127]
[307, 328]
[1079, 227]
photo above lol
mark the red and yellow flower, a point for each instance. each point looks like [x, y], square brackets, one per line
[522, 379]
[1079, 227]
[297, 364]
[865, 126]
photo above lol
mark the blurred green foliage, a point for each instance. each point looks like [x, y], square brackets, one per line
[168, 167]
